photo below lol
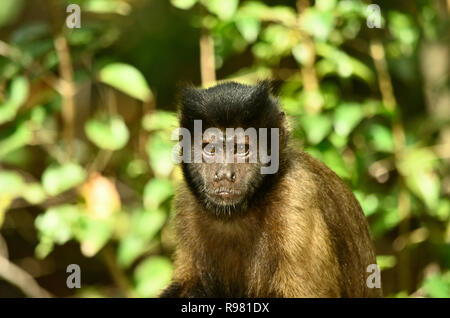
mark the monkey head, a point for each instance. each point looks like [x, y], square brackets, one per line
[235, 135]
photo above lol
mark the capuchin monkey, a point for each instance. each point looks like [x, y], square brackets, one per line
[283, 225]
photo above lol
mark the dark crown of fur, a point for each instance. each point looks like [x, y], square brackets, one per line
[230, 105]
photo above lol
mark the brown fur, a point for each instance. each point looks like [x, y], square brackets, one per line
[298, 232]
[309, 238]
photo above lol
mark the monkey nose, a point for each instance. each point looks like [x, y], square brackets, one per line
[229, 175]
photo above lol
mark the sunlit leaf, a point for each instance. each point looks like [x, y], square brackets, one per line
[107, 6]
[437, 286]
[224, 9]
[160, 152]
[325, 5]
[369, 203]
[34, 193]
[302, 54]
[183, 4]
[18, 94]
[11, 184]
[249, 28]
[127, 79]
[387, 216]
[57, 179]
[317, 127]
[93, 234]
[317, 23]
[112, 134]
[336, 163]
[157, 191]
[145, 225]
[386, 261]
[20, 137]
[426, 185]
[130, 248]
[160, 120]
[381, 138]
[56, 225]
[347, 117]
[403, 28]
[417, 167]
[10, 11]
[152, 275]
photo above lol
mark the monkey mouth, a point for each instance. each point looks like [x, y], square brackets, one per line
[224, 194]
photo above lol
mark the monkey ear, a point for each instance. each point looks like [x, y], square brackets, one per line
[265, 86]
[260, 94]
[192, 100]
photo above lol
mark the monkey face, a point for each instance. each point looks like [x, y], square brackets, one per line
[230, 169]
[228, 174]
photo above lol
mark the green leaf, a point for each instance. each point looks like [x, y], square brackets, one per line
[160, 153]
[417, 159]
[183, 4]
[110, 135]
[20, 137]
[369, 203]
[279, 38]
[317, 127]
[325, 5]
[249, 28]
[334, 160]
[57, 179]
[381, 138]
[34, 193]
[127, 79]
[10, 11]
[156, 192]
[107, 6]
[426, 185]
[152, 275]
[130, 249]
[145, 225]
[19, 90]
[11, 186]
[347, 117]
[284, 14]
[224, 9]
[18, 94]
[93, 234]
[317, 23]
[417, 166]
[57, 224]
[436, 286]
[160, 120]
[387, 217]
[302, 53]
[386, 261]
[402, 27]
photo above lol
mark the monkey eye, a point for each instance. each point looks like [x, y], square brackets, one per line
[209, 149]
[241, 149]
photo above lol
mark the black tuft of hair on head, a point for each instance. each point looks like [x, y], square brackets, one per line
[230, 104]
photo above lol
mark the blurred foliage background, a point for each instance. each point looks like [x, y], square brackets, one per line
[86, 116]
